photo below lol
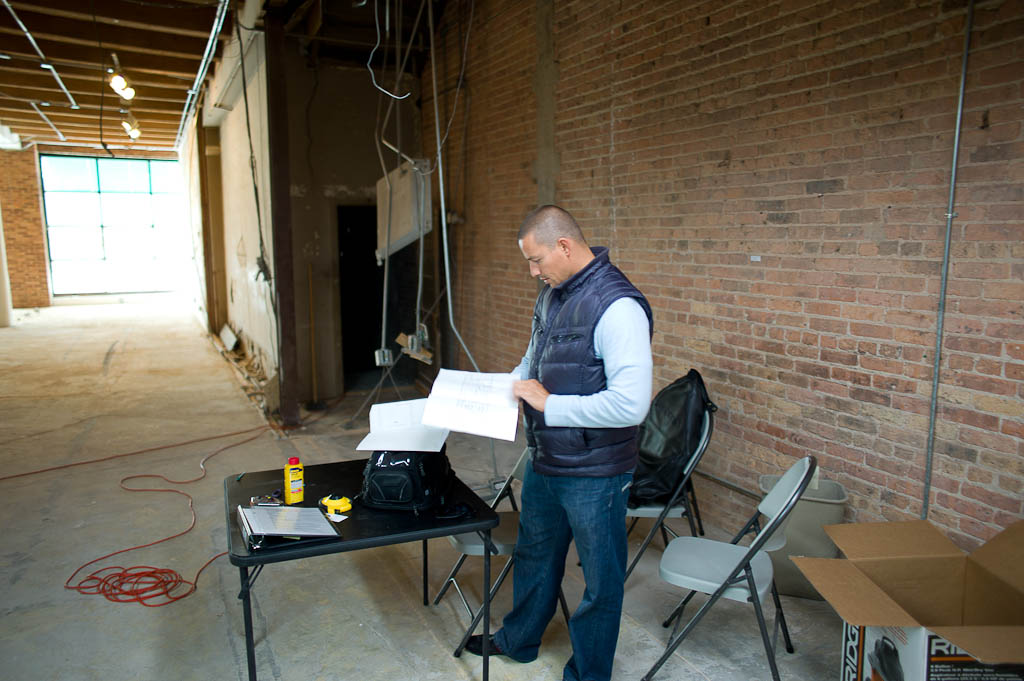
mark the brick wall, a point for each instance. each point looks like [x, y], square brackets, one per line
[488, 175]
[21, 203]
[774, 176]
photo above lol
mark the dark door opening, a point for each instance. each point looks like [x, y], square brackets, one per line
[361, 283]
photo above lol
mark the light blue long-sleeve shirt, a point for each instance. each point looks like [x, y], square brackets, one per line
[622, 341]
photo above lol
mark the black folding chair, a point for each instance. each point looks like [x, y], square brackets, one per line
[679, 505]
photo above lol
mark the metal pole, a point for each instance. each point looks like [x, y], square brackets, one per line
[937, 360]
[440, 187]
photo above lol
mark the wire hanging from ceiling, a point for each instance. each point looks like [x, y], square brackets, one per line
[458, 83]
[379, 138]
[421, 184]
[103, 73]
[369, 66]
[383, 356]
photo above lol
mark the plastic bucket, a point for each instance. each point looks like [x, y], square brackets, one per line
[819, 506]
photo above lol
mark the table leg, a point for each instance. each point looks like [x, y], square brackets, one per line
[250, 645]
[425, 598]
[487, 603]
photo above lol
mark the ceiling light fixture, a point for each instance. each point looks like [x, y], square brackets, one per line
[131, 126]
[118, 81]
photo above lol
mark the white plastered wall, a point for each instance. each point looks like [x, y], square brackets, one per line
[250, 297]
[188, 159]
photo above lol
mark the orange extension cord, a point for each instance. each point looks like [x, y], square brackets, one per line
[143, 584]
[150, 586]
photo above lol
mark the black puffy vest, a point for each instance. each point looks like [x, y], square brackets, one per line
[564, 361]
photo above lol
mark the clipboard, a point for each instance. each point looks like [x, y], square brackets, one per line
[263, 526]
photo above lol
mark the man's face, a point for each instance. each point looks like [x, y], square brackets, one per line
[549, 263]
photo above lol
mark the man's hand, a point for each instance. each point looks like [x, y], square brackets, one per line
[532, 392]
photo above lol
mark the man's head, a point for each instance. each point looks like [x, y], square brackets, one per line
[553, 244]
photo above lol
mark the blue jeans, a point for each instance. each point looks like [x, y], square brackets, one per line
[555, 511]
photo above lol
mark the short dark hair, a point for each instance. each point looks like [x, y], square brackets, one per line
[548, 224]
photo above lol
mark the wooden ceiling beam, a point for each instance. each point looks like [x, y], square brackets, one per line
[26, 72]
[93, 150]
[109, 136]
[11, 110]
[82, 90]
[194, 22]
[46, 90]
[115, 39]
[60, 54]
[77, 118]
[117, 145]
[92, 101]
[111, 131]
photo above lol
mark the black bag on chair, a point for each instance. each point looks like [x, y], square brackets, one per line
[668, 437]
[406, 481]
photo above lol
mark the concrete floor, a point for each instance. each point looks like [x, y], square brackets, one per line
[79, 383]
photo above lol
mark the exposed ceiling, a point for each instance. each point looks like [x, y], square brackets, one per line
[159, 45]
[56, 56]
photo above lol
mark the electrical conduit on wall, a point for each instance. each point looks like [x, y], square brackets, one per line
[937, 360]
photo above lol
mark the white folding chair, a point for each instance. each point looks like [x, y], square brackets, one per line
[739, 573]
[503, 541]
[678, 505]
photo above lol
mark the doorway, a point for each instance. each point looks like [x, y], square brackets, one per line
[361, 284]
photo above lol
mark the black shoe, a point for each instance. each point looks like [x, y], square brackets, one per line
[475, 645]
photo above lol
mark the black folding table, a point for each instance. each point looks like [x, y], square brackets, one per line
[365, 528]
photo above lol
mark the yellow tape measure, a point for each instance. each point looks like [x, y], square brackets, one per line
[335, 504]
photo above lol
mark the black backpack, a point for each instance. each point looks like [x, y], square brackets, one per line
[406, 481]
[668, 437]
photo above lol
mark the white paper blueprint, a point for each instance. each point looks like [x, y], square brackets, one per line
[398, 426]
[475, 403]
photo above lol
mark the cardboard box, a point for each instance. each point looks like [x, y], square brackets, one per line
[917, 608]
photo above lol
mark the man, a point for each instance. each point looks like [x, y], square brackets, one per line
[587, 384]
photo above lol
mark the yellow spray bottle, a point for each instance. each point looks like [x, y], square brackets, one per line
[293, 483]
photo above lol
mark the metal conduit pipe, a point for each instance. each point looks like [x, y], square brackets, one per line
[208, 53]
[440, 186]
[45, 64]
[379, 139]
[53, 127]
[24, 29]
[383, 355]
[391, 103]
[391, 100]
[444, 222]
[937, 360]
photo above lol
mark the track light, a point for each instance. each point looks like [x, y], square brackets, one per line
[118, 81]
[131, 126]
[119, 84]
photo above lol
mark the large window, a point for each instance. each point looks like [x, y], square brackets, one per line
[114, 225]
